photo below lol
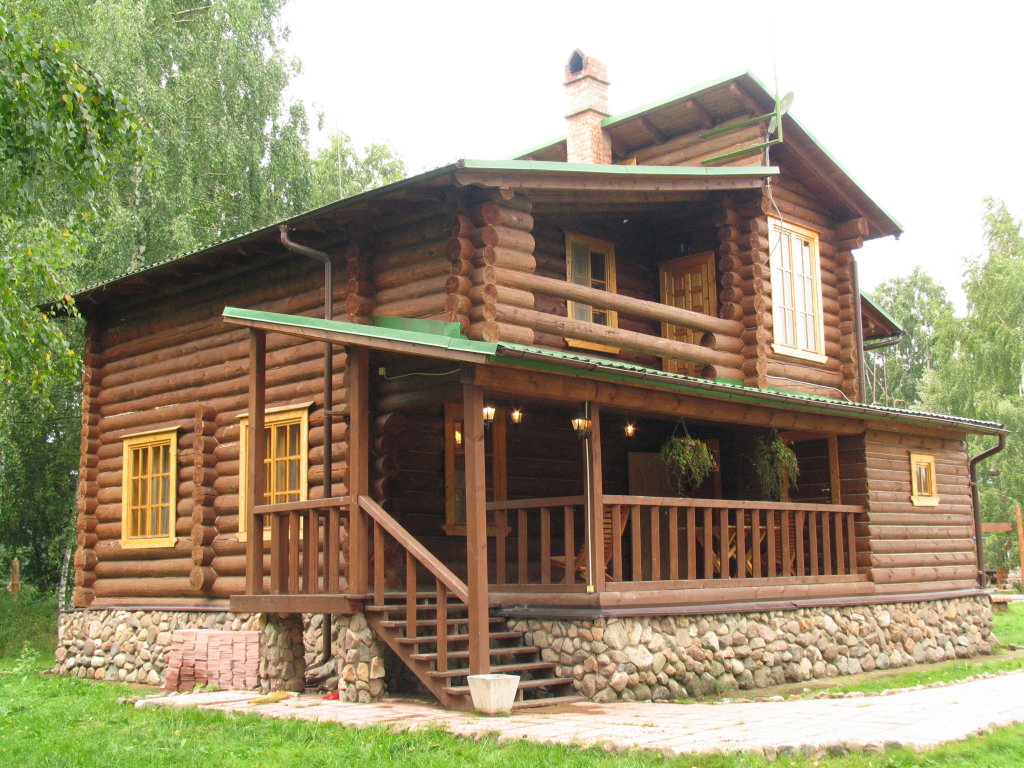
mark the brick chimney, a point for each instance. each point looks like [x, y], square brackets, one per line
[586, 86]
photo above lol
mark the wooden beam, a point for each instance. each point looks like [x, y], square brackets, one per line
[476, 529]
[255, 472]
[833, 469]
[521, 382]
[655, 132]
[609, 182]
[694, 106]
[358, 465]
[595, 509]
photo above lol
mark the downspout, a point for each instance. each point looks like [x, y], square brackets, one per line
[324, 259]
[889, 341]
[976, 503]
[858, 329]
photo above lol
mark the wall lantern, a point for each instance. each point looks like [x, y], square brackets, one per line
[630, 429]
[488, 414]
[458, 433]
[581, 426]
[516, 416]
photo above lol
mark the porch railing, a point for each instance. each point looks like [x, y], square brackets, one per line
[541, 542]
[537, 540]
[305, 547]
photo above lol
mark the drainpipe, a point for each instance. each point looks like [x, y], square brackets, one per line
[324, 259]
[890, 341]
[976, 503]
[858, 329]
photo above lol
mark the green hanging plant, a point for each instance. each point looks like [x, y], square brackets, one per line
[689, 462]
[775, 466]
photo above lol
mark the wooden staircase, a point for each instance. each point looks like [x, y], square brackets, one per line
[444, 674]
[430, 630]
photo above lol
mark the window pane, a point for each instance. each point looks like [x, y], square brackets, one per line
[580, 263]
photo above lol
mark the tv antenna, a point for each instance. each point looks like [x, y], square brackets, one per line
[774, 119]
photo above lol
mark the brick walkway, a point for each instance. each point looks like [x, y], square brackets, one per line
[916, 718]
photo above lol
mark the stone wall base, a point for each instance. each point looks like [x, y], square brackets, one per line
[673, 657]
[133, 646]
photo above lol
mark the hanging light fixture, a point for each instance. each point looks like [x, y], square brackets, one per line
[581, 425]
[516, 415]
[488, 414]
[630, 429]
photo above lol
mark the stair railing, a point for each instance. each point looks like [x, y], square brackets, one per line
[445, 582]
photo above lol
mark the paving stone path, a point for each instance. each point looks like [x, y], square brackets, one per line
[917, 719]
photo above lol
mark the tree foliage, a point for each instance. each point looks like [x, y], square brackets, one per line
[982, 370]
[896, 374]
[185, 138]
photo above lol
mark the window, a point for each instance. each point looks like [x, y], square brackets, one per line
[286, 437]
[924, 489]
[455, 467]
[796, 291]
[149, 489]
[590, 262]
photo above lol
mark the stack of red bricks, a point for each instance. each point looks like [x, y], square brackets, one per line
[213, 657]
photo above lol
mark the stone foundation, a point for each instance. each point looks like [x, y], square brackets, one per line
[133, 646]
[636, 659]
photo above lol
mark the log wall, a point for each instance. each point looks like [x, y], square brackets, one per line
[914, 548]
[173, 363]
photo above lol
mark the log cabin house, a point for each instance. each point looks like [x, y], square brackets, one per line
[458, 470]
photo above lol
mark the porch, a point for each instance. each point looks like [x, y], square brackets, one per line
[435, 569]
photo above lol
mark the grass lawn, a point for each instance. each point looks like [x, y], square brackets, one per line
[71, 723]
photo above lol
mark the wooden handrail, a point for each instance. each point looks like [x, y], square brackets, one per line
[302, 506]
[411, 545]
[669, 501]
[553, 501]
[627, 305]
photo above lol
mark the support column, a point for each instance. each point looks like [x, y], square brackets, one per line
[282, 653]
[255, 473]
[476, 528]
[595, 502]
[358, 464]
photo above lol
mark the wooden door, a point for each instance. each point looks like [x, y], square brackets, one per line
[688, 283]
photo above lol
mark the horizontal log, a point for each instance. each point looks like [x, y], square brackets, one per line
[426, 286]
[616, 337]
[505, 258]
[916, 559]
[487, 292]
[424, 305]
[145, 587]
[805, 373]
[134, 569]
[923, 573]
[499, 215]
[640, 308]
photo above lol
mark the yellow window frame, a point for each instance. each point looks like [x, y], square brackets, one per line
[275, 420]
[573, 274]
[796, 292]
[924, 488]
[141, 482]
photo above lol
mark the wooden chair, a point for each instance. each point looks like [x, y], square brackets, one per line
[580, 561]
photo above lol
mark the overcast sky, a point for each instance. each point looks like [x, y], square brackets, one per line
[920, 103]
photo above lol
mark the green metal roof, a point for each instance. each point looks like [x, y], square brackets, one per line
[881, 310]
[506, 353]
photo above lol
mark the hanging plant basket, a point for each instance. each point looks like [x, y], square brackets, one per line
[689, 462]
[775, 466]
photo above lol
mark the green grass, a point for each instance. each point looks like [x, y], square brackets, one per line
[49, 722]
[71, 723]
[1009, 624]
[30, 621]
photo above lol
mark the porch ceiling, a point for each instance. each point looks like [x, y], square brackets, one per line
[431, 343]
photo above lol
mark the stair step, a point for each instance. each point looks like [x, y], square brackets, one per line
[426, 607]
[463, 690]
[553, 701]
[526, 666]
[398, 624]
[458, 638]
[516, 651]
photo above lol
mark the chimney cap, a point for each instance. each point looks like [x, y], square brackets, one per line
[580, 65]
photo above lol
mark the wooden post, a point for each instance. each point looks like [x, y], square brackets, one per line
[1020, 543]
[255, 471]
[15, 585]
[358, 464]
[833, 469]
[476, 528]
[595, 503]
